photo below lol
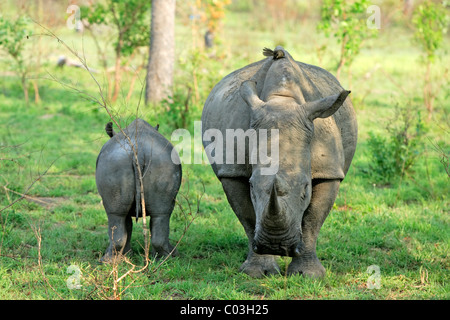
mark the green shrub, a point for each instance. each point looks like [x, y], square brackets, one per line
[175, 110]
[394, 155]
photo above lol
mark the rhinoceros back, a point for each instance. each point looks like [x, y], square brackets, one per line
[116, 159]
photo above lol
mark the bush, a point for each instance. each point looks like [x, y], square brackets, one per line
[175, 110]
[393, 156]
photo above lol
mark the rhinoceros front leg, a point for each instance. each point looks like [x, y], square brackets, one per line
[324, 193]
[237, 191]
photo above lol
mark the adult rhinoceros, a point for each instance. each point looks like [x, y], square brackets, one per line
[282, 211]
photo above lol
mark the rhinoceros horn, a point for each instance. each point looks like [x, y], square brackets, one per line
[274, 207]
[274, 211]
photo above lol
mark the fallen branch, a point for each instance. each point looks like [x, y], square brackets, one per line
[25, 194]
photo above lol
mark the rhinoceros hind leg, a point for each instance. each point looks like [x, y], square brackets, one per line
[324, 194]
[237, 191]
[159, 225]
[119, 229]
[159, 205]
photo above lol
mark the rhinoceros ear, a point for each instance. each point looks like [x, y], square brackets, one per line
[249, 94]
[325, 107]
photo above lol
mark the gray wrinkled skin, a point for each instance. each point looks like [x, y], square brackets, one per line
[118, 184]
[282, 213]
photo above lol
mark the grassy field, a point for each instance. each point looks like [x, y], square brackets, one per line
[401, 226]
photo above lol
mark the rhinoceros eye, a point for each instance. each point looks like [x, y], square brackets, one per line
[304, 191]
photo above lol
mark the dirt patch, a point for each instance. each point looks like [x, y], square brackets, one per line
[46, 202]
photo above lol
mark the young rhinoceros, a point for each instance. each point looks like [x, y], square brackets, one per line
[283, 199]
[119, 186]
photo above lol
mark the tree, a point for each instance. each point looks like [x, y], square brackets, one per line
[431, 23]
[13, 34]
[127, 17]
[214, 12]
[162, 52]
[348, 20]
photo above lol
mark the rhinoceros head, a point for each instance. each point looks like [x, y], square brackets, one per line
[281, 198]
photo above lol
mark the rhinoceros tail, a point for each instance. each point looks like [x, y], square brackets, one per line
[137, 197]
[277, 54]
[109, 129]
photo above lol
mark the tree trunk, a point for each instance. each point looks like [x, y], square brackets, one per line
[37, 97]
[23, 81]
[117, 75]
[427, 91]
[342, 59]
[408, 7]
[162, 51]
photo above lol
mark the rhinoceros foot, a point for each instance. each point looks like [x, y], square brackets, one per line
[307, 266]
[257, 266]
[164, 251]
[111, 257]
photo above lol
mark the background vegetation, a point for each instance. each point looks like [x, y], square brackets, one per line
[392, 210]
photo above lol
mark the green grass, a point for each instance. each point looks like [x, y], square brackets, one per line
[402, 227]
